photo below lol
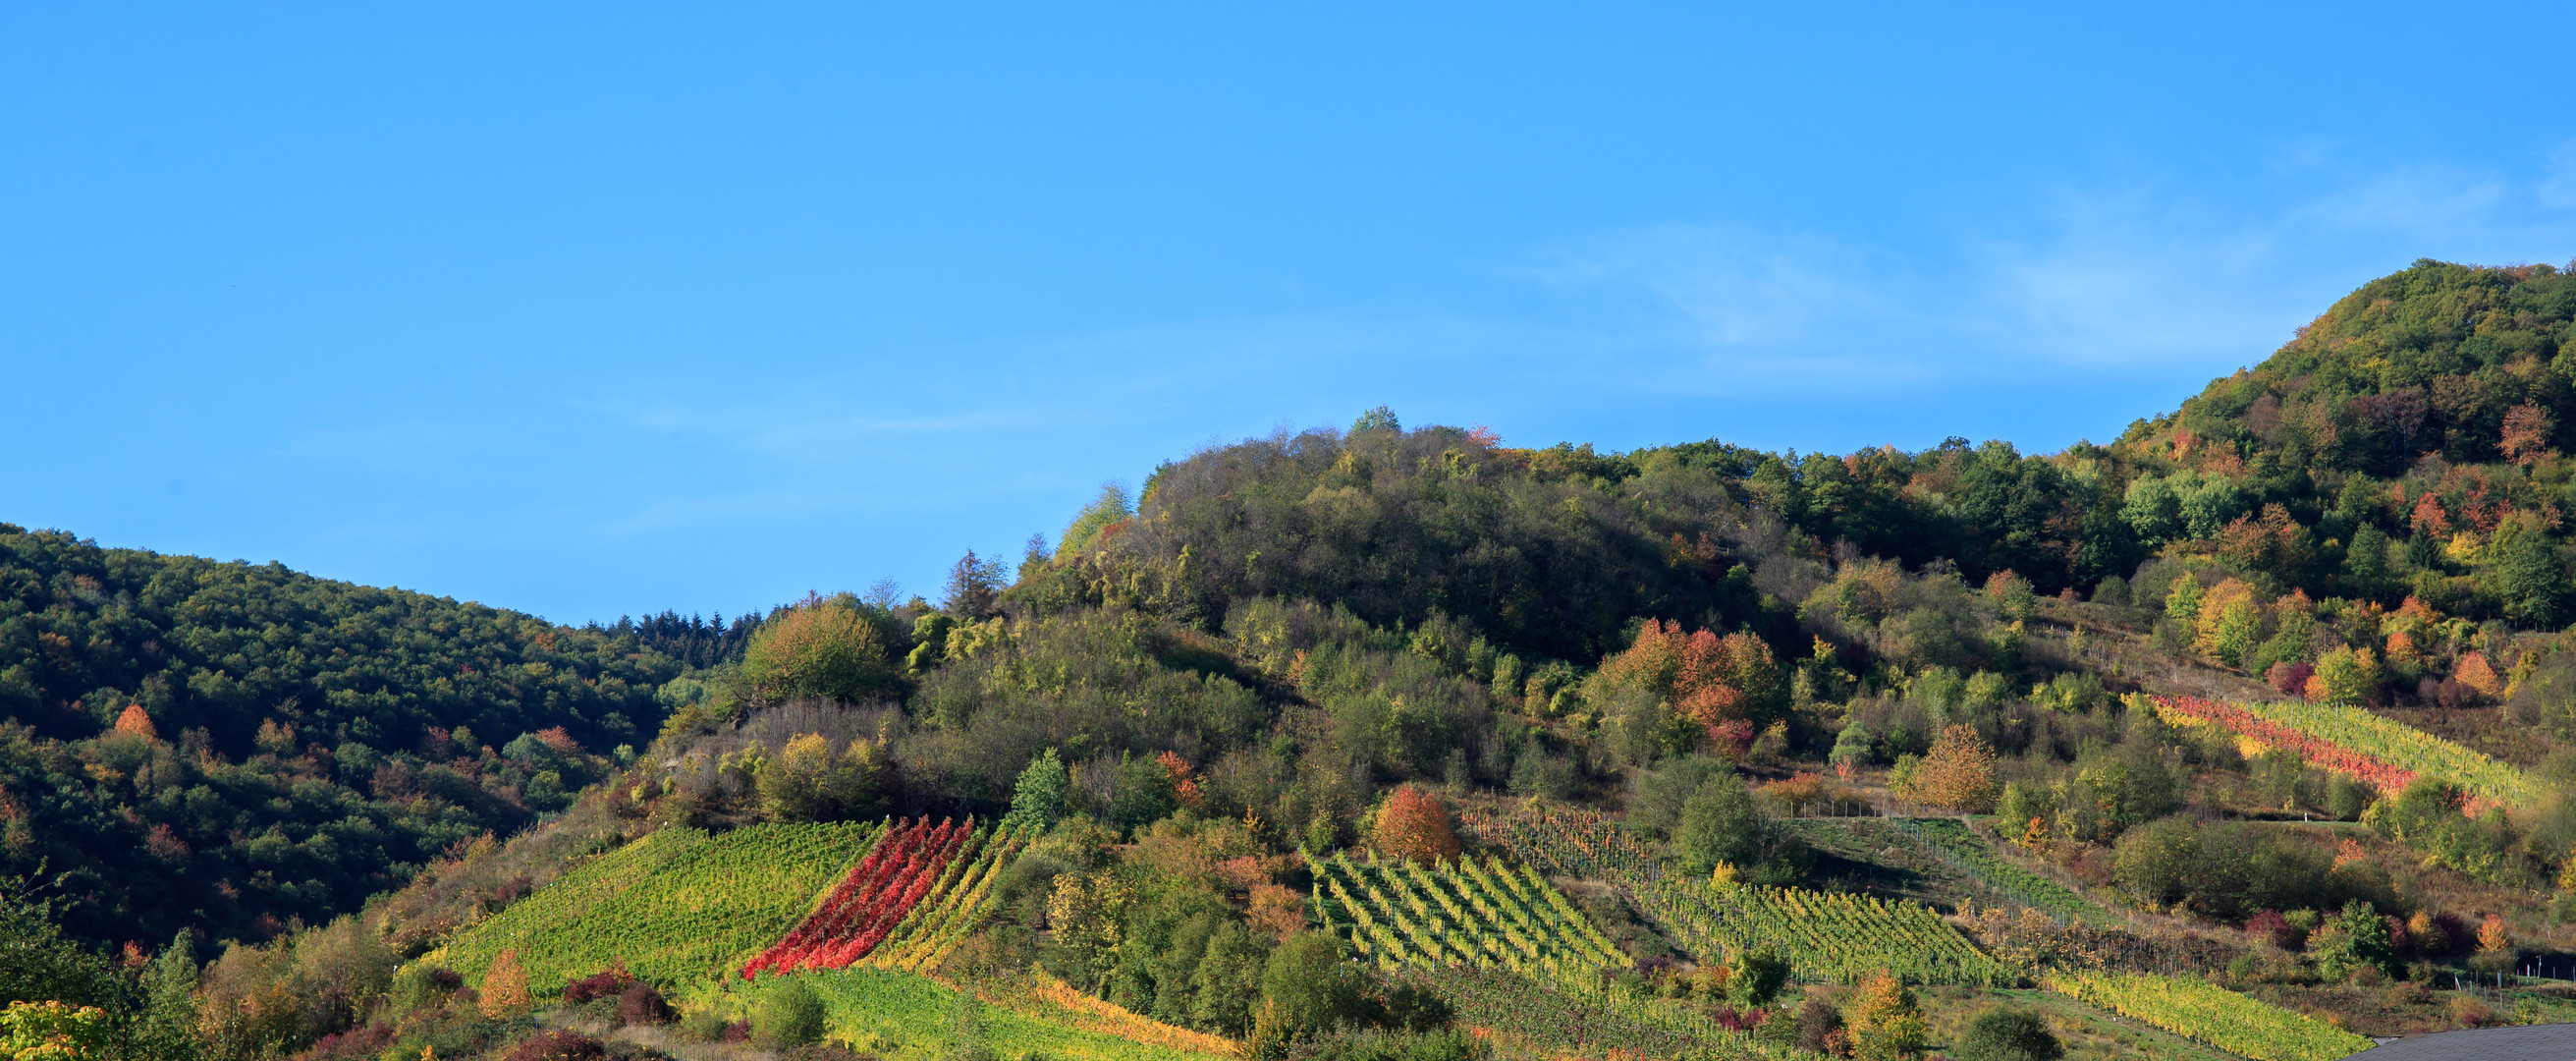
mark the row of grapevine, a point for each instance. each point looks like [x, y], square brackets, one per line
[899, 1014]
[676, 905]
[2209, 1014]
[870, 901]
[954, 907]
[1838, 936]
[1826, 935]
[1462, 912]
[1567, 1017]
[2380, 751]
[1952, 842]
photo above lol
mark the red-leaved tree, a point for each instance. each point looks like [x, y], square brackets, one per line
[1414, 825]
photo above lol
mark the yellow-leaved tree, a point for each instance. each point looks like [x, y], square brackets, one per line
[1884, 1021]
[807, 782]
[821, 648]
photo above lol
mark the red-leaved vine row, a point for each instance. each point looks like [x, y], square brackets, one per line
[870, 901]
[2316, 752]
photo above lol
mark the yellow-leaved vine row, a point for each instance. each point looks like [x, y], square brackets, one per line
[2206, 1013]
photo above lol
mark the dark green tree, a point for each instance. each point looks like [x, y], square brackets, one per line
[2008, 1033]
[1037, 801]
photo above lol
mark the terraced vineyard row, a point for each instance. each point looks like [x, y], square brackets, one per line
[1827, 935]
[2382, 752]
[954, 907]
[1573, 1019]
[1460, 913]
[875, 898]
[1974, 855]
[676, 905]
[2209, 1014]
[1838, 936]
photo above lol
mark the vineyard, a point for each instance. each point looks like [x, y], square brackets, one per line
[2352, 741]
[909, 1015]
[953, 908]
[1975, 856]
[1566, 1019]
[2211, 1015]
[1834, 936]
[881, 901]
[1460, 913]
[676, 905]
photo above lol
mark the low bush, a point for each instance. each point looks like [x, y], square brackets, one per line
[642, 1004]
[792, 1015]
[558, 1046]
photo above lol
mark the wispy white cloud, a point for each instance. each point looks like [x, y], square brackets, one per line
[2089, 278]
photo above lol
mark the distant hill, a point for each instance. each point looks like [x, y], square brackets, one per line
[226, 746]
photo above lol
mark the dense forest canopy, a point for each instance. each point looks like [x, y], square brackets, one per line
[226, 746]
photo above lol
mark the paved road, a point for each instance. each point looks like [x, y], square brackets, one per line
[2536, 1042]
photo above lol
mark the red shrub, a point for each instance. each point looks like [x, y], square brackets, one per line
[2270, 926]
[607, 983]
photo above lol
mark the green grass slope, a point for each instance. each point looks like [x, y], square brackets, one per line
[910, 1016]
[675, 906]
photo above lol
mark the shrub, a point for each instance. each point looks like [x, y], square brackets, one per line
[1818, 1022]
[1959, 774]
[791, 1015]
[557, 1046]
[700, 1026]
[2006, 1033]
[2270, 927]
[606, 983]
[641, 1004]
[419, 985]
[820, 648]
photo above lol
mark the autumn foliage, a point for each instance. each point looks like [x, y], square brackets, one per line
[1731, 685]
[2475, 672]
[869, 902]
[1958, 775]
[1414, 825]
[504, 993]
[137, 722]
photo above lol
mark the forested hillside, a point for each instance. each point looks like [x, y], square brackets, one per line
[2234, 736]
[223, 747]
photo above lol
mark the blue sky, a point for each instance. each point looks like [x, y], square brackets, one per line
[606, 309]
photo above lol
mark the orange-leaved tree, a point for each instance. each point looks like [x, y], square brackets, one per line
[137, 722]
[1959, 774]
[505, 988]
[2475, 672]
[1414, 825]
